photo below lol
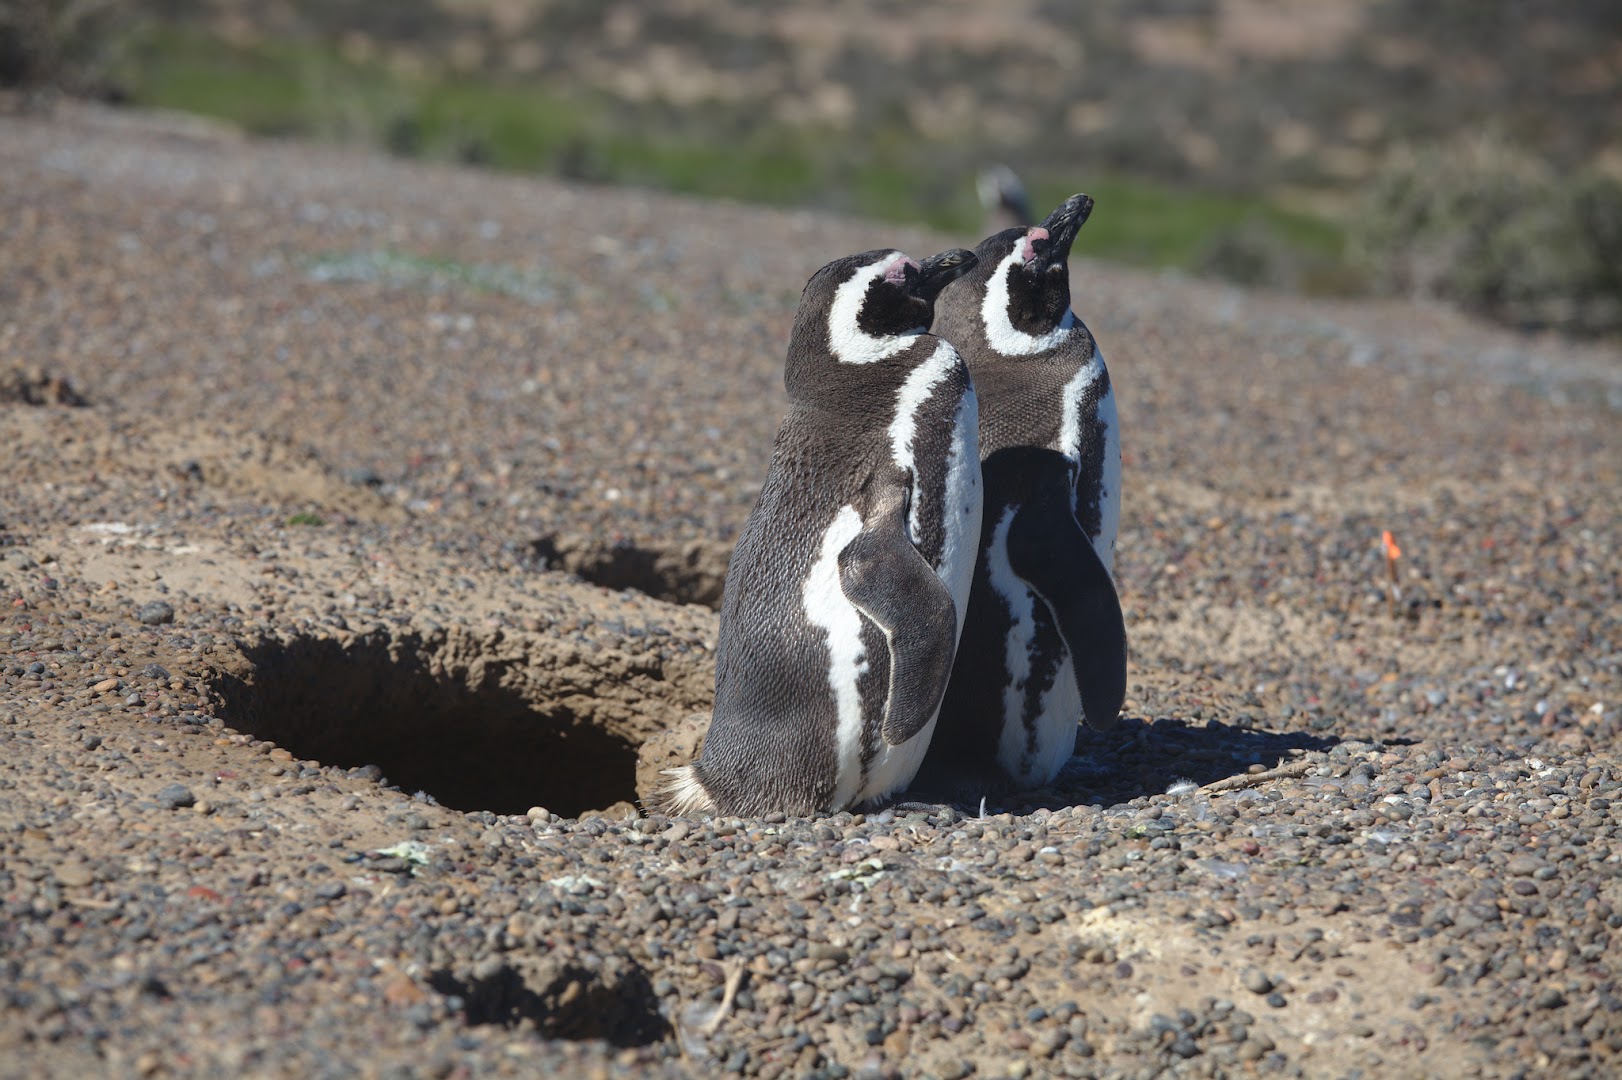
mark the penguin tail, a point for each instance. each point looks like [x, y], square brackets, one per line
[684, 795]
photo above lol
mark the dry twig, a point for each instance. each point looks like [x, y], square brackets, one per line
[734, 980]
[1255, 779]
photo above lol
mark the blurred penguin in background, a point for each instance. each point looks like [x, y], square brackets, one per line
[1004, 200]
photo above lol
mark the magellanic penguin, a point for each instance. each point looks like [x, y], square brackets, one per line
[1045, 645]
[850, 581]
[1003, 198]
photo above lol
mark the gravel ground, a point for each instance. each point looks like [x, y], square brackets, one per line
[359, 524]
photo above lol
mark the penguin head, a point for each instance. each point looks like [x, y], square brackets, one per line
[1026, 278]
[868, 307]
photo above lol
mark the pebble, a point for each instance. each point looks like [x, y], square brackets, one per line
[156, 613]
[73, 874]
[1549, 998]
[171, 796]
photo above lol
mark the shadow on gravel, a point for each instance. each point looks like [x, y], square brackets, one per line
[616, 1004]
[35, 386]
[1141, 758]
[431, 722]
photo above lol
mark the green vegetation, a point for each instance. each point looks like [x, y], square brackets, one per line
[305, 518]
[1188, 168]
[302, 87]
[1244, 239]
[1153, 224]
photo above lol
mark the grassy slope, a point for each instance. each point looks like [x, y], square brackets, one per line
[307, 88]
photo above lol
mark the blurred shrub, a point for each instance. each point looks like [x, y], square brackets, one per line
[66, 45]
[1277, 249]
[1250, 253]
[1481, 223]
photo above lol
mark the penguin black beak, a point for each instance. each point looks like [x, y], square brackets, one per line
[939, 271]
[1062, 226]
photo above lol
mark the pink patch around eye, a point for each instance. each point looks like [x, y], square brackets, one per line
[898, 270]
[1029, 251]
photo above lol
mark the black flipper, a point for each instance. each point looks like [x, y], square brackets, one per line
[1047, 547]
[889, 582]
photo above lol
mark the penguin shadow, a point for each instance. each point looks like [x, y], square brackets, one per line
[1139, 758]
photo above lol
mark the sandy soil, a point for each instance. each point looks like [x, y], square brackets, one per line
[362, 521]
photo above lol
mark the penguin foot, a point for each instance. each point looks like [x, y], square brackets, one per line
[964, 788]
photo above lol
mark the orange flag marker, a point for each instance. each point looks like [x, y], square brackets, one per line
[1392, 554]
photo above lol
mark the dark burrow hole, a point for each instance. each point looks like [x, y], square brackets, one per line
[690, 574]
[430, 721]
[616, 1005]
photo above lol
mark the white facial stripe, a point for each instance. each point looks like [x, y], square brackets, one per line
[1109, 504]
[915, 390]
[827, 607]
[848, 342]
[1000, 332]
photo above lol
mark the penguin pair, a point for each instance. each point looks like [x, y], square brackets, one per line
[902, 514]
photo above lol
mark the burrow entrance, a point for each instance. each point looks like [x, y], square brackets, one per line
[693, 573]
[475, 731]
[615, 1003]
